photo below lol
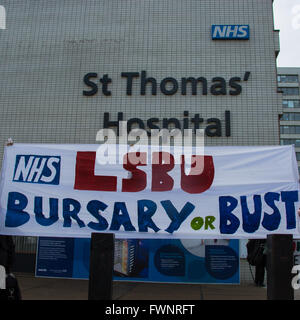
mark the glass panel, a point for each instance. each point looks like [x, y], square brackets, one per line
[288, 78]
[291, 103]
[289, 129]
[295, 142]
[289, 91]
[290, 116]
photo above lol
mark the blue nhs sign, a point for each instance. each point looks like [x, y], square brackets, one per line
[230, 32]
[39, 169]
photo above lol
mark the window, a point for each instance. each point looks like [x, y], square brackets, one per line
[283, 129]
[290, 129]
[285, 142]
[291, 103]
[289, 91]
[291, 78]
[298, 156]
[288, 116]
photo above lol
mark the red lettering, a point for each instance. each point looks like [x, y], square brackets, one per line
[84, 174]
[201, 175]
[138, 181]
[198, 180]
[162, 162]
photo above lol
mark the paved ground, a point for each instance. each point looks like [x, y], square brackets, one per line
[69, 289]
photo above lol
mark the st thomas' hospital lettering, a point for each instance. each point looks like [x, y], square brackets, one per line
[168, 86]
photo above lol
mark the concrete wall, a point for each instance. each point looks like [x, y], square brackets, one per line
[48, 47]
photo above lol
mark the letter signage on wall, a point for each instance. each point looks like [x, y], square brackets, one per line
[230, 32]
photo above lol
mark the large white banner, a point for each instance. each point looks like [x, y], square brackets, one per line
[71, 190]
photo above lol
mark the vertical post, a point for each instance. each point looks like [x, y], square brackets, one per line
[101, 266]
[279, 267]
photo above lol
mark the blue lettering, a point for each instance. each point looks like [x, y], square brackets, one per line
[230, 32]
[93, 207]
[271, 221]
[251, 221]
[289, 198]
[121, 217]
[144, 216]
[226, 205]
[38, 210]
[176, 217]
[15, 215]
[37, 169]
[68, 213]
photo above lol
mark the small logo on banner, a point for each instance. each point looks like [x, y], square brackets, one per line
[37, 169]
[230, 32]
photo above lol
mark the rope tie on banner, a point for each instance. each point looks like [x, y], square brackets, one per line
[9, 142]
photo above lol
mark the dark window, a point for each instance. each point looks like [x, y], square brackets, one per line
[290, 129]
[289, 91]
[291, 78]
[289, 116]
[295, 142]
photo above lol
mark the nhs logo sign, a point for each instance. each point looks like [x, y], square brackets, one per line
[37, 169]
[230, 32]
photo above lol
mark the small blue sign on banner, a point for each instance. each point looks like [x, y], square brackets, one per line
[230, 32]
[38, 169]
